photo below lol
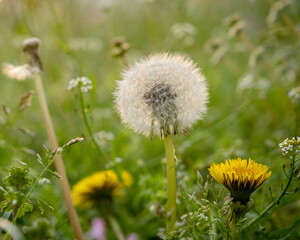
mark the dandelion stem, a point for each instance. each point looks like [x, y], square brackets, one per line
[58, 159]
[116, 227]
[171, 215]
[275, 202]
[86, 123]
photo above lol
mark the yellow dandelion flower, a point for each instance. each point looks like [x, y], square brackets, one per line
[100, 187]
[240, 177]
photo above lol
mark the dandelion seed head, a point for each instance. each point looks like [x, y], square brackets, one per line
[161, 93]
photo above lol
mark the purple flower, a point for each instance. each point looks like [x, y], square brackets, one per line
[132, 236]
[98, 230]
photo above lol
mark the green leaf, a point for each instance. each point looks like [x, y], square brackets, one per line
[40, 206]
[27, 207]
[18, 178]
[284, 233]
[12, 201]
[40, 227]
[41, 203]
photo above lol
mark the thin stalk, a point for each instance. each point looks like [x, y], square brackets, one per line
[171, 214]
[87, 125]
[116, 227]
[276, 201]
[32, 188]
[58, 159]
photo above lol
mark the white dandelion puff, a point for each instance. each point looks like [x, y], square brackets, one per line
[161, 94]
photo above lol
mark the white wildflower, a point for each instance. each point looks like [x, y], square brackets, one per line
[294, 95]
[84, 83]
[20, 73]
[161, 94]
[290, 147]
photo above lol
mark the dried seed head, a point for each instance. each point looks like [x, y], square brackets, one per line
[31, 46]
[161, 94]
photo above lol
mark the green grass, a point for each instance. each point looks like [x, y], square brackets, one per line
[237, 123]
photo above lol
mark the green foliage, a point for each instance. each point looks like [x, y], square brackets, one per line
[14, 201]
[18, 178]
[251, 61]
[40, 227]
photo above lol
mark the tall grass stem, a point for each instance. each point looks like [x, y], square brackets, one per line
[116, 227]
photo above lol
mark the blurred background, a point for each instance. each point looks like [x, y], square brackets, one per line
[248, 50]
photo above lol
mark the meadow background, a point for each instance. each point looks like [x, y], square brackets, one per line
[244, 119]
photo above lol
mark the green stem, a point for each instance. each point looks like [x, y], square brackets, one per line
[171, 214]
[87, 125]
[33, 187]
[7, 235]
[116, 227]
[276, 201]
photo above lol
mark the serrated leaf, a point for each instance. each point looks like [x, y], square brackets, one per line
[18, 178]
[27, 207]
